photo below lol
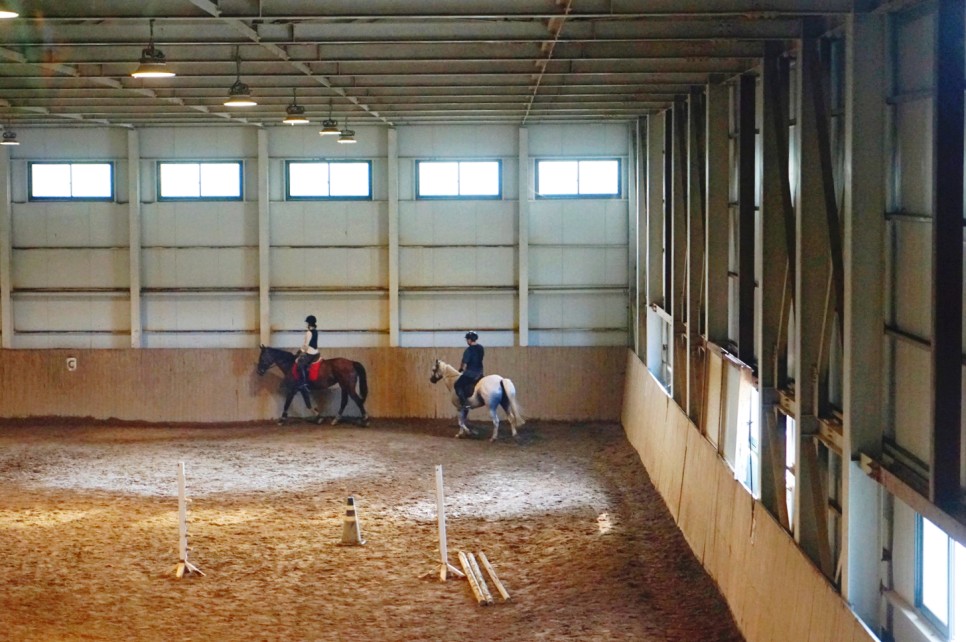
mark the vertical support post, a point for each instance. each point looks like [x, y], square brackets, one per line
[134, 233]
[863, 306]
[637, 236]
[523, 235]
[695, 277]
[774, 275]
[392, 197]
[679, 255]
[264, 243]
[6, 252]
[716, 176]
[656, 265]
[746, 218]
[947, 258]
[811, 291]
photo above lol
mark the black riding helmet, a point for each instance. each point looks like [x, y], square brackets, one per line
[310, 319]
[472, 336]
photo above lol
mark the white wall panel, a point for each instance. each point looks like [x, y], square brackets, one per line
[192, 143]
[70, 268]
[457, 141]
[578, 140]
[914, 155]
[912, 299]
[329, 267]
[71, 313]
[457, 310]
[913, 417]
[185, 312]
[366, 312]
[66, 224]
[457, 222]
[200, 268]
[574, 338]
[459, 266]
[582, 221]
[915, 49]
[569, 310]
[189, 223]
[96, 143]
[578, 266]
[329, 223]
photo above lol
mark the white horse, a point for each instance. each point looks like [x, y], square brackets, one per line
[490, 391]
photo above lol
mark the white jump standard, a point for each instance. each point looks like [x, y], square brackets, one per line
[445, 568]
[183, 566]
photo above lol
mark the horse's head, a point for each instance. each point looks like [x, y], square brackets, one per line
[437, 373]
[265, 360]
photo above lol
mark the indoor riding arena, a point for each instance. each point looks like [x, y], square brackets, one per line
[701, 262]
[565, 514]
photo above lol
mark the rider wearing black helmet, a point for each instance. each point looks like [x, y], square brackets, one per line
[471, 369]
[308, 352]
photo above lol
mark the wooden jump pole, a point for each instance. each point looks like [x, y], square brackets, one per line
[445, 568]
[482, 594]
[183, 564]
[496, 580]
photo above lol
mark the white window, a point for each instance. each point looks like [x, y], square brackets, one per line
[941, 580]
[458, 179]
[221, 180]
[91, 181]
[579, 178]
[336, 179]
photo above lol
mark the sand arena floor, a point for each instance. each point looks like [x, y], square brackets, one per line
[566, 515]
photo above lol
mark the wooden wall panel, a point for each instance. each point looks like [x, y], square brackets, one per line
[700, 483]
[221, 385]
[773, 589]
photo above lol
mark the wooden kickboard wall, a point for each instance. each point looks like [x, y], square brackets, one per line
[773, 589]
[221, 385]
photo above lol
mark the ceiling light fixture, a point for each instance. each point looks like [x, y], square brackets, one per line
[329, 127]
[153, 63]
[296, 113]
[239, 95]
[347, 135]
[6, 14]
[9, 138]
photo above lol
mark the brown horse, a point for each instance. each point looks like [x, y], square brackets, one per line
[340, 371]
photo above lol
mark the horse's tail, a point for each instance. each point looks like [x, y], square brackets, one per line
[510, 394]
[363, 381]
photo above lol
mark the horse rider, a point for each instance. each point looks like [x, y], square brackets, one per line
[308, 352]
[471, 369]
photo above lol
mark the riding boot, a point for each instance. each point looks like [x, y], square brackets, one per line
[303, 380]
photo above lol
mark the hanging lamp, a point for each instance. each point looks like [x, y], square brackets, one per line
[239, 95]
[330, 127]
[347, 135]
[296, 113]
[153, 63]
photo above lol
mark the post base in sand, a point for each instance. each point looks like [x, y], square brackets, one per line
[185, 566]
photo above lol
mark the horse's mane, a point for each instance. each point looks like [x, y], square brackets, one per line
[280, 352]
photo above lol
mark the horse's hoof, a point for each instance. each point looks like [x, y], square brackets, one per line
[364, 422]
[319, 420]
[335, 421]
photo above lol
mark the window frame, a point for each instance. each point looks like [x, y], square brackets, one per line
[328, 163]
[613, 196]
[102, 199]
[241, 180]
[462, 197]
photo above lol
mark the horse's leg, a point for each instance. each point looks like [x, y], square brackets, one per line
[464, 430]
[345, 399]
[492, 406]
[510, 417]
[288, 402]
[350, 392]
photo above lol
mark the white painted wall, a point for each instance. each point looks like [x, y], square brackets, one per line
[458, 260]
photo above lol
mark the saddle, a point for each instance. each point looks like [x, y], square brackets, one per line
[312, 370]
